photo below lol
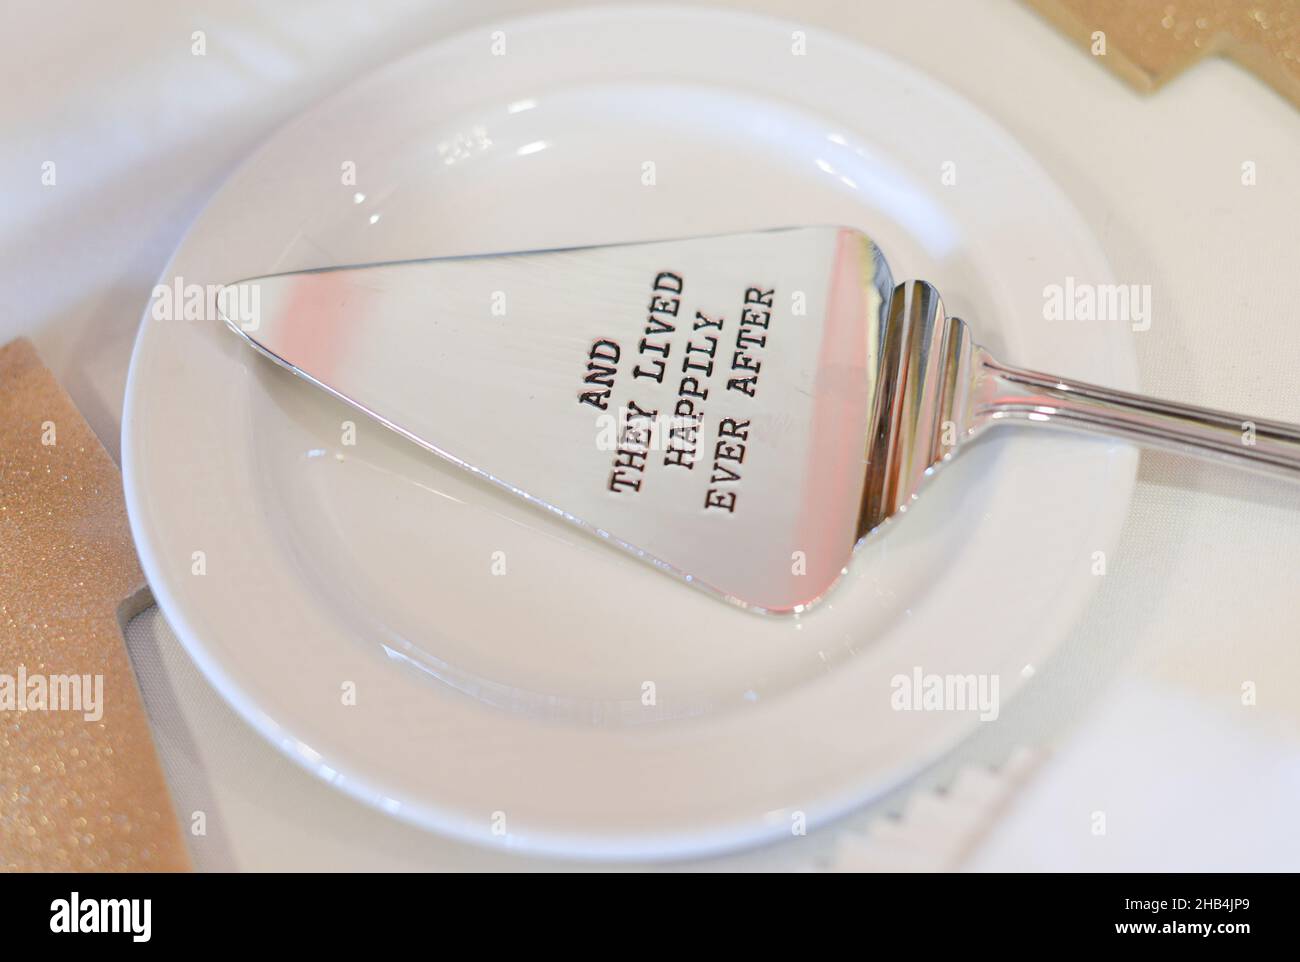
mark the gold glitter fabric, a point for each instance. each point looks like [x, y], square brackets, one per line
[1148, 42]
[80, 785]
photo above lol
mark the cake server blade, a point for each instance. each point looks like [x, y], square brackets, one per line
[701, 403]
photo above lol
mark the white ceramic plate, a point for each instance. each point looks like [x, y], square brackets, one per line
[509, 708]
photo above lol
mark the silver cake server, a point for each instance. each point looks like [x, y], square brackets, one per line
[739, 410]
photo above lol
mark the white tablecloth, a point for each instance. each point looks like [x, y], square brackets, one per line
[1140, 716]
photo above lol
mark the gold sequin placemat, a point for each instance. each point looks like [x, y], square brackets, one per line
[80, 785]
[1147, 42]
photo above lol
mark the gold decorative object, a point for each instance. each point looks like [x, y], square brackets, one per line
[80, 785]
[1148, 42]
